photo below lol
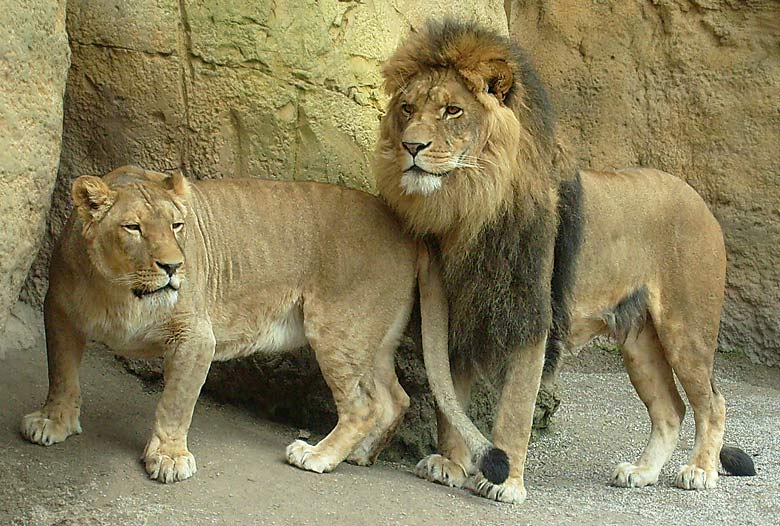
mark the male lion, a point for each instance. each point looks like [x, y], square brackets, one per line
[468, 157]
[154, 265]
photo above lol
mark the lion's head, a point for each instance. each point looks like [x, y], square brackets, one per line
[463, 136]
[132, 222]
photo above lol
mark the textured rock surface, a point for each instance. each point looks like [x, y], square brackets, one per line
[34, 59]
[691, 87]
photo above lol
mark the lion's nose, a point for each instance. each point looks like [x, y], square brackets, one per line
[169, 268]
[415, 147]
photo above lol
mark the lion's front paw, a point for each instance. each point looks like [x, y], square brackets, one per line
[627, 475]
[305, 456]
[168, 464]
[511, 491]
[693, 477]
[442, 470]
[42, 427]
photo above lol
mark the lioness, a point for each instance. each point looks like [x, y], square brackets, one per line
[154, 265]
[468, 157]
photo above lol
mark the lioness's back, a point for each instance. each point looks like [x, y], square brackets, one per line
[318, 224]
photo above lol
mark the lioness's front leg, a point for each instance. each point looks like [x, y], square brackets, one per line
[59, 417]
[187, 363]
[512, 429]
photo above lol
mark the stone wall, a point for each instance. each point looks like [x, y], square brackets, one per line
[34, 59]
[691, 87]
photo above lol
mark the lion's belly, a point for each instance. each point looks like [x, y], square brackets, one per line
[261, 334]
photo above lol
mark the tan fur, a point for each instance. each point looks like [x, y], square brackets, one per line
[264, 267]
[643, 228]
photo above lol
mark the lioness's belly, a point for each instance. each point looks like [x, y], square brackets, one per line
[259, 333]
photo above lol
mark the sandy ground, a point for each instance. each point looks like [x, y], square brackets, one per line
[96, 479]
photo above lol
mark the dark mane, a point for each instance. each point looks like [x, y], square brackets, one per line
[505, 293]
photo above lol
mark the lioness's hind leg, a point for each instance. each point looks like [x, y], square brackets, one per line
[346, 361]
[59, 417]
[392, 402]
[653, 380]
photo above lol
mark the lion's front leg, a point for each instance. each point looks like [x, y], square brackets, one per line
[452, 465]
[59, 417]
[512, 429]
[166, 456]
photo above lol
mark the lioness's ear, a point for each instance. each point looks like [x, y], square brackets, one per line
[179, 184]
[92, 197]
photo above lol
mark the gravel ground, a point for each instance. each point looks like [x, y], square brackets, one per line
[96, 479]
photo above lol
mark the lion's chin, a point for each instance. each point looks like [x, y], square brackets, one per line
[419, 182]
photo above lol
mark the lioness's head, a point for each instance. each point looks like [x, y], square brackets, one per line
[462, 127]
[133, 223]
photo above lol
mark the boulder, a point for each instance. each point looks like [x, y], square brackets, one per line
[34, 59]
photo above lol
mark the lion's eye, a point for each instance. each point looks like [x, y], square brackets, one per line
[132, 227]
[177, 226]
[406, 109]
[452, 111]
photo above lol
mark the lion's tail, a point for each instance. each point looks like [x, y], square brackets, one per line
[736, 462]
[492, 462]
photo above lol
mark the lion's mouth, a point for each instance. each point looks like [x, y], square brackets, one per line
[416, 170]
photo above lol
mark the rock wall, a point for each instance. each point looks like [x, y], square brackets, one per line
[34, 59]
[691, 87]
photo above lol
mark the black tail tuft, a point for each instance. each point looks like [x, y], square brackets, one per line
[495, 465]
[736, 462]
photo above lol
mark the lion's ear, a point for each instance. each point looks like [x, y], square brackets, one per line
[499, 79]
[92, 197]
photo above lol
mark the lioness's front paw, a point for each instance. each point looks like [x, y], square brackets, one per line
[440, 469]
[305, 456]
[39, 428]
[693, 477]
[627, 475]
[168, 464]
[511, 491]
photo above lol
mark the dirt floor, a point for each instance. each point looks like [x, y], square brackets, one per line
[96, 478]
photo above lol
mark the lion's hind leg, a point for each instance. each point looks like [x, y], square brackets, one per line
[651, 376]
[692, 359]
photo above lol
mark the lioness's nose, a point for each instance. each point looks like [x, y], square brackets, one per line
[415, 147]
[169, 268]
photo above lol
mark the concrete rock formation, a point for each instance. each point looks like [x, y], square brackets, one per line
[691, 87]
[34, 60]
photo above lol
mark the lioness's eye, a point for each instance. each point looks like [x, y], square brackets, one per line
[453, 110]
[406, 109]
[132, 227]
[177, 226]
